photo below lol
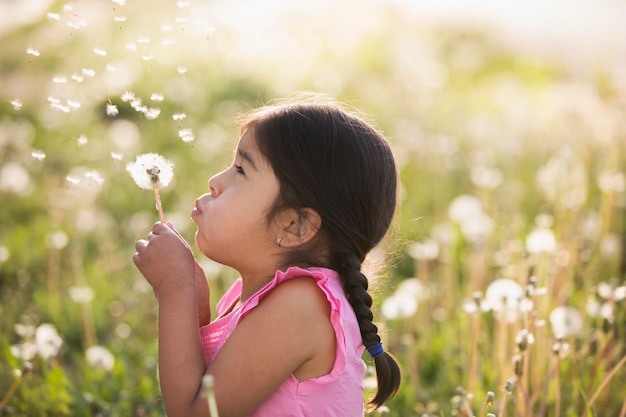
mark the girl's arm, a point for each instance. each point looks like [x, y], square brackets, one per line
[289, 332]
[166, 261]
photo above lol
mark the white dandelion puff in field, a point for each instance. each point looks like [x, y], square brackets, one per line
[566, 322]
[48, 341]
[400, 305]
[179, 116]
[99, 51]
[33, 51]
[425, 250]
[505, 296]
[612, 182]
[151, 171]
[17, 104]
[38, 155]
[157, 97]
[186, 135]
[541, 240]
[112, 110]
[81, 294]
[99, 357]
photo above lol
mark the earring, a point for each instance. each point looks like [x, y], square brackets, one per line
[280, 239]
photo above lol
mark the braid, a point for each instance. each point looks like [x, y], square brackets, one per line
[355, 287]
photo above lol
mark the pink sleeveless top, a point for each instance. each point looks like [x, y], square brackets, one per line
[337, 394]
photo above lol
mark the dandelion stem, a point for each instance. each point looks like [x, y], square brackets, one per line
[157, 198]
[14, 386]
[208, 383]
[605, 381]
[623, 412]
[474, 352]
[557, 382]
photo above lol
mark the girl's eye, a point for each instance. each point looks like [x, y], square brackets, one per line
[239, 169]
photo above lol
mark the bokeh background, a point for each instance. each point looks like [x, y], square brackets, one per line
[500, 289]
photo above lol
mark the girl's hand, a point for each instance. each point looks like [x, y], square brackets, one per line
[166, 261]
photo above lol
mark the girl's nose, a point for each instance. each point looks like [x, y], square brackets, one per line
[215, 184]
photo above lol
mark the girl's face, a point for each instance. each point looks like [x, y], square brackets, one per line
[231, 218]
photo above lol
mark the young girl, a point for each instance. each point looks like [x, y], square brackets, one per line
[311, 190]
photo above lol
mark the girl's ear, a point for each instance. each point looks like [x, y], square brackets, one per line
[298, 227]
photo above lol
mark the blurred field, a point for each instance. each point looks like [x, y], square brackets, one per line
[503, 284]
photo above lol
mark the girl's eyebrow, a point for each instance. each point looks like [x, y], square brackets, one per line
[246, 156]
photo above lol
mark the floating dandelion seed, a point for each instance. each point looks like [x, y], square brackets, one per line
[152, 113]
[112, 110]
[54, 16]
[181, 69]
[32, 51]
[179, 116]
[156, 97]
[73, 104]
[117, 156]
[168, 42]
[152, 171]
[120, 18]
[59, 79]
[128, 96]
[77, 78]
[38, 155]
[147, 57]
[131, 47]
[99, 51]
[88, 72]
[120, 2]
[111, 68]
[186, 135]
[143, 39]
[82, 140]
[166, 28]
[17, 104]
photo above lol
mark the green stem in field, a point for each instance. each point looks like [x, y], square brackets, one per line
[12, 389]
[605, 381]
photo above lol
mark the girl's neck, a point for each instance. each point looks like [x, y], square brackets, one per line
[252, 284]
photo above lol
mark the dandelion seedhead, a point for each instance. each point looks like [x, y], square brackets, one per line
[151, 171]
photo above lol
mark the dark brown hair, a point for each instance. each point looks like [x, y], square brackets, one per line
[334, 162]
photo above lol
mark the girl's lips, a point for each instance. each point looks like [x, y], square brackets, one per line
[196, 210]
